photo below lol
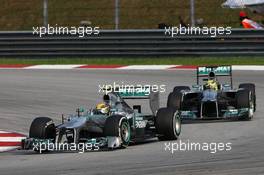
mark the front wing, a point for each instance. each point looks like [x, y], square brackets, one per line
[224, 114]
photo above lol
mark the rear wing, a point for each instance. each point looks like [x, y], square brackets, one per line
[141, 92]
[131, 92]
[220, 71]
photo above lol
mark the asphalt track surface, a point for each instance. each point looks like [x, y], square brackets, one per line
[26, 94]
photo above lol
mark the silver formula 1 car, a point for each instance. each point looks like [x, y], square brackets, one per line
[116, 128]
[221, 102]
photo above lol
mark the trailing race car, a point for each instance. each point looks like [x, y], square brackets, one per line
[214, 100]
[112, 124]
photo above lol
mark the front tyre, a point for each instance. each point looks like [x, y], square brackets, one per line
[252, 88]
[174, 100]
[181, 88]
[42, 128]
[244, 100]
[168, 124]
[118, 126]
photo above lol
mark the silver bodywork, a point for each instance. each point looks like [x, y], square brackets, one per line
[212, 97]
[88, 126]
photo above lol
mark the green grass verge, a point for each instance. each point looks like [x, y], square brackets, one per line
[140, 61]
[24, 14]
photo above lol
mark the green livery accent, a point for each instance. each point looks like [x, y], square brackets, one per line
[218, 70]
[188, 114]
[42, 141]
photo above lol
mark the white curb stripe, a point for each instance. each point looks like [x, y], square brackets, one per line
[147, 67]
[72, 66]
[130, 67]
[14, 137]
[7, 148]
[6, 131]
[256, 68]
[11, 139]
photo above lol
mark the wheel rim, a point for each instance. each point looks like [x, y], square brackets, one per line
[251, 106]
[177, 124]
[125, 132]
[251, 109]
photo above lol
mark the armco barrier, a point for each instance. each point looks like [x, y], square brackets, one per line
[131, 43]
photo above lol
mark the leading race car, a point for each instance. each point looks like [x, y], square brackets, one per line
[214, 100]
[111, 124]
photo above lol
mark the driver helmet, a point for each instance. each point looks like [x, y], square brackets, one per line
[106, 99]
[211, 76]
[102, 108]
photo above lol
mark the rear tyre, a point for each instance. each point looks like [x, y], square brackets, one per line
[118, 126]
[42, 128]
[251, 87]
[168, 124]
[244, 100]
[174, 100]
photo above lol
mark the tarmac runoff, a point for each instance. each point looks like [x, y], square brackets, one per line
[26, 94]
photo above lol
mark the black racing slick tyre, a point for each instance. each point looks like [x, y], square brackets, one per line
[118, 126]
[174, 100]
[251, 87]
[244, 100]
[180, 88]
[42, 128]
[168, 124]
